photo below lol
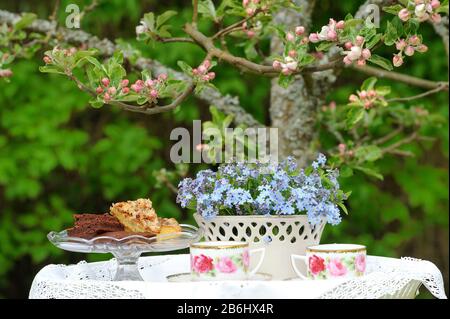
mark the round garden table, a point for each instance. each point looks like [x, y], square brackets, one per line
[385, 278]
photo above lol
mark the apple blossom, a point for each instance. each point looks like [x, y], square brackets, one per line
[245, 3]
[141, 29]
[409, 51]
[348, 45]
[250, 11]
[371, 93]
[292, 53]
[414, 40]
[47, 59]
[401, 44]
[99, 90]
[436, 17]
[366, 54]
[154, 93]
[251, 33]
[422, 48]
[353, 98]
[276, 65]
[149, 83]
[125, 90]
[290, 37]
[397, 60]
[359, 41]
[363, 94]
[211, 75]
[162, 77]
[347, 61]
[112, 90]
[124, 82]
[435, 4]
[361, 62]
[314, 37]
[354, 53]
[106, 97]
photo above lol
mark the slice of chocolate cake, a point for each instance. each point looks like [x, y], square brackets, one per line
[91, 225]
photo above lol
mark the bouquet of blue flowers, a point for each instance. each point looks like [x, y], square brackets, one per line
[266, 189]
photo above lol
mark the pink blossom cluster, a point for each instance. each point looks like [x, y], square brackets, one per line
[355, 52]
[201, 73]
[149, 88]
[66, 52]
[289, 63]
[408, 47]
[422, 10]
[328, 32]
[365, 98]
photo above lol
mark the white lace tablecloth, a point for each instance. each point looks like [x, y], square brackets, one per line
[386, 278]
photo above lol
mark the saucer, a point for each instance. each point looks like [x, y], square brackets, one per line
[186, 277]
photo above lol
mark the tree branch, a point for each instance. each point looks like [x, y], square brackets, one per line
[408, 79]
[442, 87]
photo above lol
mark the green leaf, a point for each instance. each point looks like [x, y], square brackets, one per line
[96, 103]
[346, 171]
[25, 21]
[163, 18]
[250, 51]
[373, 41]
[380, 61]
[344, 209]
[186, 68]
[391, 35]
[369, 172]
[285, 80]
[394, 9]
[324, 46]
[368, 153]
[50, 69]
[149, 20]
[383, 90]
[354, 115]
[411, 26]
[369, 83]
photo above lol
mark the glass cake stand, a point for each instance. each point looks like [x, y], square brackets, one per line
[127, 250]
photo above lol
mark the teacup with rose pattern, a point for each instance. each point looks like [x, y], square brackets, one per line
[332, 261]
[223, 260]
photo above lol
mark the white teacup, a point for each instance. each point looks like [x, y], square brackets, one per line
[332, 261]
[223, 260]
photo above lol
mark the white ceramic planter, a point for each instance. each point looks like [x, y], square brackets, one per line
[280, 235]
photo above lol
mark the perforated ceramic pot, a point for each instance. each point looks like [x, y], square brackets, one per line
[280, 235]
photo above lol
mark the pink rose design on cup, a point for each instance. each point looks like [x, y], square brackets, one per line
[246, 258]
[202, 264]
[360, 263]
[316, 264]
[226, 265]
[336, 268]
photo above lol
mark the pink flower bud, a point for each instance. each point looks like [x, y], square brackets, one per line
[136, 88]
[202, 69]
[125, 90]
[290, 37]
[255, 1]
[422, 48]
[363, 94]
[99, 90]
[244, 25]
[347, 60]
[286, 71]
[276, 65]
[348, 45]
[397, 60]
[314, 37]
[149, 83]
[195, 72]
[211, 75]
[414, 40]
[245, 3]
[207, 64]
[140, 83]
[361, 62]
[112, 90]
[342, 148]
[162, 77]
[305, 40]
[124, 83]
[368, 105]
[205, 77]
[299, 30]
[371, 93]
[436, 17]
[154, 93]
[105, 82]
[331, 35]
[366, 54]
[250, 11]
[359, 40]
[250, 34]
[292, 53]
[353, 98]
[435, 4]
[47, 59]
[403, 14]
[409, 51]
[340, 24]
[401, 44]
[106, 97]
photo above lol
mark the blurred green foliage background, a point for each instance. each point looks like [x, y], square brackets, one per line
[59, 156]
